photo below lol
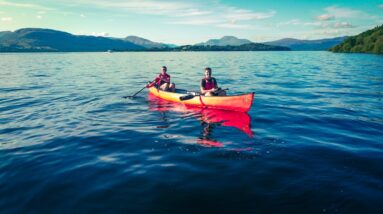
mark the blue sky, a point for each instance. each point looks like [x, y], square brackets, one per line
[189, 22]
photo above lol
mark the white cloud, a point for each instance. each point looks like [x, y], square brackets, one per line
[195, 22]
[39, 17]
[343, 25]
[314, 24]
[381, 6]
[211, 22]
[301, 23]
[194, 12]
[104, 34]
[331, 31]
[185, 12]
[339, 12]
[170, 8]
[23, 5]
[291, 22]
[325, 17]
[82, 16]
[241, 14]
[6, 19]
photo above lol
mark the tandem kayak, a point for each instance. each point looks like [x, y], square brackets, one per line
[236, 119]
[241, 103]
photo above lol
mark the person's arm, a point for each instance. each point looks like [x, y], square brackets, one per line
[215, 84]
[156, 80]
[202, 89]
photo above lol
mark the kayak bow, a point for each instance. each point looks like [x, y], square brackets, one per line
[240, 103]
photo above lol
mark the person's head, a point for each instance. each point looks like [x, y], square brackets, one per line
[163, 69]
[208, 72]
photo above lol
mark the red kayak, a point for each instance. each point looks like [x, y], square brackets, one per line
[239, 120]
[240, 103]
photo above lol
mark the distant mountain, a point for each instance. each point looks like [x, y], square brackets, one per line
[47, 40]
[226, 40]
[37, 39]
[145, 42]
[2, 33]
[307, 45]
[370, 41]
[244, 47]
[171, 45]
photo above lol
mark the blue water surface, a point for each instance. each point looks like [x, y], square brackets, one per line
[311, 143]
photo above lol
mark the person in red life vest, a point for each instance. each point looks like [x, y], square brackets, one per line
[209, 86]
[162, 81]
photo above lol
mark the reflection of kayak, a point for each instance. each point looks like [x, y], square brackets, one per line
[240, 103]
[239, 120]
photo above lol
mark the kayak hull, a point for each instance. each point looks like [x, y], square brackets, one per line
[241, 103]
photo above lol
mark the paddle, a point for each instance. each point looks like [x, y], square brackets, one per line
[193, 94]
[135, 93]
[189, 96]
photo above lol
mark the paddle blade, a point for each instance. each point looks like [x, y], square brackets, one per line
[187, 97]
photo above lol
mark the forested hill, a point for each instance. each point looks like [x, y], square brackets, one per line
[47, 40]
[370, 41]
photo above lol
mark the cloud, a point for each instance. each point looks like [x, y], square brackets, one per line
[211, 22]
[343, 25]
[82, 15]
[380, 6]
[195, 22]
[301, 23]
[291, 22]
[23, 5]
[325, 17]
[169, 8]
[39, 17]
[241, 14]
[104, 34]
[191, 12]
[339, 12]
[318, 24]
[6, 19]
[321, 24]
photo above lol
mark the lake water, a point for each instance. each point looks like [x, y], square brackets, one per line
[311, 143]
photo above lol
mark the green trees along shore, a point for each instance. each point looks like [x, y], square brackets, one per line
[370, 41]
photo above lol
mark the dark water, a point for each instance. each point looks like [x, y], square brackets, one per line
[312, 142]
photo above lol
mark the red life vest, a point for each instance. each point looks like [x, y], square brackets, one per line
[162, 78]
[209, 84]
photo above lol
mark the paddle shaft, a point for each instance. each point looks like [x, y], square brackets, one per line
[191, 96]
[139, 91]
[136, 92]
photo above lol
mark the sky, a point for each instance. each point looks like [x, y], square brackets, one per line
[192, 21]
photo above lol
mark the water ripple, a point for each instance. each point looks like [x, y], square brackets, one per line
[312, 140]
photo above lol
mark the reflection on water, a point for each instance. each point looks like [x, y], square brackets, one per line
[210, 119]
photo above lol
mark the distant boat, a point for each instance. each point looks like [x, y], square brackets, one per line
[109, 51]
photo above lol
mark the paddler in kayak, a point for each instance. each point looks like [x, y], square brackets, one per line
[209, 86]
[162, 81]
